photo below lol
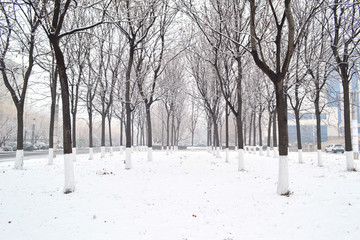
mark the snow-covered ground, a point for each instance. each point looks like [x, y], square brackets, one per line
[184, 195]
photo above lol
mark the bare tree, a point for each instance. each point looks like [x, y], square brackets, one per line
[107, 74]
[223, 24]
[282, 19]
[296, 98]
[157, 62]
[194, 118]
[344, 31]
[52, 23]
[90, 84]
[316, 58]
[20, 27]
[138, 19]
[209, 90]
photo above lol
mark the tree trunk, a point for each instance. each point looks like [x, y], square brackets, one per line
[347, 119]
[260, 130]
[216, 132]
[192, 138]
[250, 129]
[240, 138]
[162, 133]
[168, 131]
[227, 126]
[275, 142]
[103, 119]
[64, 96]
[53, 84]
[149, 128]
[19, 162]
[74, 129]
[254, 130]
[121, 131]
[209, 133]
[172, 130]
[68, 165]
[127, 95]
[318, 125]
[269, 131]
[236, 135]
[245, 127]
[298, 128]
[91, 145]
[52, 108]
[109, 126]
[282, 119]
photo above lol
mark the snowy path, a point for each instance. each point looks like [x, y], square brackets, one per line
[184, 195]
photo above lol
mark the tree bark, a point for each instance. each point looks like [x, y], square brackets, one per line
[275, 142]
[74, 129]
[91, 145]
[227, 126]
[250, 129]
[127, 94]
[347, 119]
[260, 130]
[282, 118]
[298, 128]
[64, 95]
[121, 131]
[20, 127]
[52, 108]
[103, 119]
[269, 130]
[239, 104]
[172, 130]
[254, 130]
[149, 128]
[109, 126]
[245, 127]
[168, 130]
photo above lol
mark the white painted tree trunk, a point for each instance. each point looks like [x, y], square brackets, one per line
[74, 154]
[350, 166]
[241, 161]
[128, 164]
[268, 151]
[69, 173]
[150, 154]
[355, 137]
[276, 152]
[91, 153]
[121, 149]
[218, 152]
[111, 151]
[261, 151]
[51, 156]
[283, 183]
[102, 152]
[320, 161]
[19, 161]
[300, 156]
[167, 150]
[226, 155]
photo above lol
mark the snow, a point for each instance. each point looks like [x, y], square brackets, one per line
[183, 195]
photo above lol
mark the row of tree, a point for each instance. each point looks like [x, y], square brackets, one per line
[120, 57]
